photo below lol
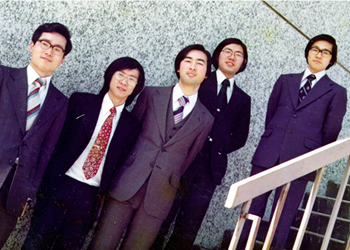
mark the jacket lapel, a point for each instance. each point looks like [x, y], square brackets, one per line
[193, 122]
[294, 86]
[18, 89]
[161, 102]
[321, 88]
[208, 93]
[91, 113]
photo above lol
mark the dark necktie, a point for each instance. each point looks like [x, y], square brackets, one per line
[178, 114]
[306, 88]
[95, 156]
[222, 96]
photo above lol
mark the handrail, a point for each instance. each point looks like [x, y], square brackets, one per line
[282, 174]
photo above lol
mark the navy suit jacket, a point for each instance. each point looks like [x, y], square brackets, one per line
[82, 116]
[33, 148]
[292, 129]
[230, 129]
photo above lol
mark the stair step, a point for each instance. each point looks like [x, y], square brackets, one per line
[318, 224]
[332, 190]
[325, 205]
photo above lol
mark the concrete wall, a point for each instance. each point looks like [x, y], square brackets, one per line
[153, 32]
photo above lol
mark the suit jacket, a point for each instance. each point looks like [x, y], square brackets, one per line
[230, 129]
[82, 116]
[159, 160]
[292, 129]
[34, 148]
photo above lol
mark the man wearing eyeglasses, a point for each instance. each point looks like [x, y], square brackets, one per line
[305, 111]
[231, 108]
[32, 113]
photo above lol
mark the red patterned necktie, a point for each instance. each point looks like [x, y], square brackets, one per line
[178, 114]
[33, 102]
[94, 159]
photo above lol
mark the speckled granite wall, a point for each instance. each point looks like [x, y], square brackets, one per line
[153, 32]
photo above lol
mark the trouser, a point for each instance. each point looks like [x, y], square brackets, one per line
[64, 218]
[291, 205]
[117, 216]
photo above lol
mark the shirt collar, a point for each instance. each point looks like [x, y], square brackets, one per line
[177, 93]
[318, 75]
[107, 104]
[33, 75]
[220, 77]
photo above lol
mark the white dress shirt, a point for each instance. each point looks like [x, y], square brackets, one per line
[76, 170]
[307, 72]
[220, 77]
[32, 76]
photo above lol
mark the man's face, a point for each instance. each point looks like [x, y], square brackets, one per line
[122, 85]
[319, 57]
[230, 59]
[193, 68]
[45, 61]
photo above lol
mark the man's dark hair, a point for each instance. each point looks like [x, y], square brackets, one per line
[216, 53]
[183, 53]
[121, 64]
[54, 27]
[327, 38]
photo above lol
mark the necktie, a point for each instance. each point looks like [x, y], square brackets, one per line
[33, 101]
[306, 88]
[222, 96]
[178, 114]
[95, 156]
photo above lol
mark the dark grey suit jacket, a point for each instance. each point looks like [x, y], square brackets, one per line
[34, 148]
[162, 160]
[292, 129]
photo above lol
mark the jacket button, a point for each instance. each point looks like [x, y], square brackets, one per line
[294, 115]
[163, 149]
[152, 164]
[289, 131]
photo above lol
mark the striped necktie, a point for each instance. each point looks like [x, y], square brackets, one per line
[33, 102]
[306, 88]
[178, 114]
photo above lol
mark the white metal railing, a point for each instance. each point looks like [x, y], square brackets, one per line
[281, 175]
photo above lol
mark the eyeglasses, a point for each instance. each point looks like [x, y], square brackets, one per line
[324, 52]
[57, 50]
[130, 80]
[228, 52]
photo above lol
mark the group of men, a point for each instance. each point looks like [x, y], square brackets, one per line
[158, 163]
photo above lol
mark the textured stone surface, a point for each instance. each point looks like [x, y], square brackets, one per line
[153, 32]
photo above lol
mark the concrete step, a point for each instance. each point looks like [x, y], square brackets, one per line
[325, 205]
[332, 190]
[318, 224]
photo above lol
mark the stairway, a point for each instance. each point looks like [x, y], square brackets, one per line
[317, 225]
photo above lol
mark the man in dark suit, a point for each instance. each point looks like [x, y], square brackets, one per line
[175, 125]
[32, 113]
[81, 168]
[229, 133]
[305, 111]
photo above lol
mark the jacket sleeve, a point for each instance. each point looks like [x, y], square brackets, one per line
[239, 133]
[334, 118]
[141, 104]
[273, 101]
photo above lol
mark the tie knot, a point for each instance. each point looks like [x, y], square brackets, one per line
[113, 110]
[39, 82]
[183, 100]
[311, 77]
[225, 83]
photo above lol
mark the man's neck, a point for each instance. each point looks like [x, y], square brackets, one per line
[189, 89]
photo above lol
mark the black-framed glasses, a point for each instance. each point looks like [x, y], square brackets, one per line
[324, 52]
[56, 49]
[130, 80]
[228, 52]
